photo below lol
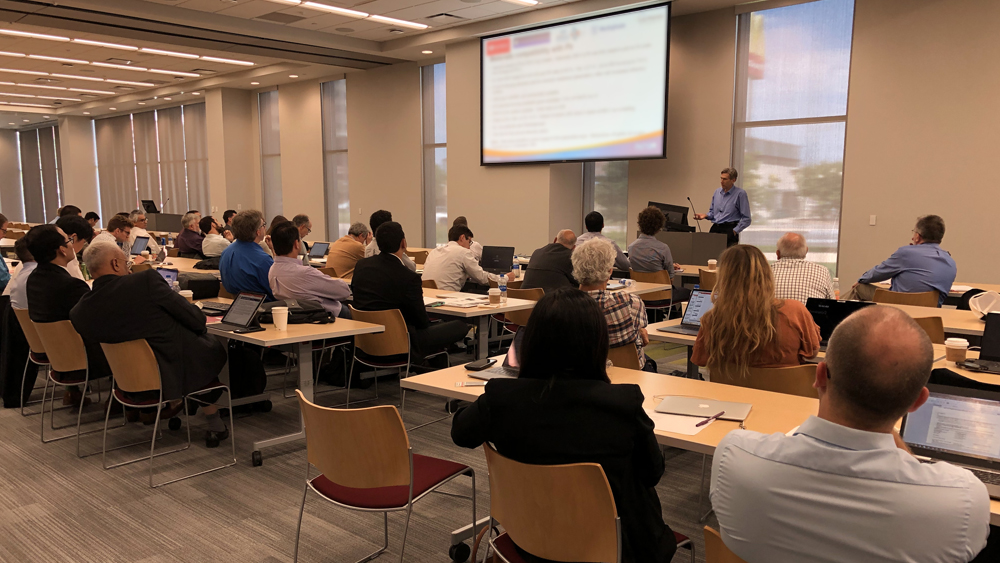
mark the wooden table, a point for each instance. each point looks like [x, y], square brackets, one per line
[301, 336]
[955, 321]
[185, 266]
[482, 314]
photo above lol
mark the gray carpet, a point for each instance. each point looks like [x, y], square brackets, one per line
[56, 507]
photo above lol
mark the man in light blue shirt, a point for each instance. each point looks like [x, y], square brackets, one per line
[730, 208]
[921, 266]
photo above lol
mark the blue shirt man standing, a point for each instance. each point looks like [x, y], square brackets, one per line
[730, 208]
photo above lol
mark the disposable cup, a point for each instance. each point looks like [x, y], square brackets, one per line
[280, 315]
[494, 296]
[956, 349]
[187, 294]
[712, 264]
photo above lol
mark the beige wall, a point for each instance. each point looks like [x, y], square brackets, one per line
[565, 199]
[78, 156]
[301, 117]
[234, 183]
[11, 195]
[699, 117]
[383, 114]
[922, 132]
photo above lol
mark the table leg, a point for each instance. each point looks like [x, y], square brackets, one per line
[306, 386]
[692, 372]
[483, 334]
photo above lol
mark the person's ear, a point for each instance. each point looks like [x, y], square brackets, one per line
[921, 399]
[822, 378]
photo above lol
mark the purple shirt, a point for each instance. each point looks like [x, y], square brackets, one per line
[189, 241]
[290, 279]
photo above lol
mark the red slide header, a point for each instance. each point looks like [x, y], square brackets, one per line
[498, 46]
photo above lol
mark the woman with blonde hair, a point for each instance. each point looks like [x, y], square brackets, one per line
[747, 327]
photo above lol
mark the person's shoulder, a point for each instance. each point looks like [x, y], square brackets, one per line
[793, 309]
[750, 441]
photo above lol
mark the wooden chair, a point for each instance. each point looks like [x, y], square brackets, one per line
[36, 353]
[706, 279]
[626, 356]
[366, 463]
[557, 512]
[328, 270]
[136, 371]
[657, 297]
[67, 355]
[516, 284]
[418, 256]
[794, 380]
[15, 235]
[520, 318]
[716, 551]
[224, 293]
[136, 268]
[429, 284]
[934, 327]
[173, 253]
[922, 299]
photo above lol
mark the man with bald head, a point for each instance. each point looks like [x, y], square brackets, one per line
[843, 486]
[123, 307]
[453, 267]
[551, 266]
[797, 278]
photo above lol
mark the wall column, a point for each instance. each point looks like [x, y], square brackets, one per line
[232, 176]
[301, 115]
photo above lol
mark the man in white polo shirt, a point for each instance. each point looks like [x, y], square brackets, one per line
[844, 487]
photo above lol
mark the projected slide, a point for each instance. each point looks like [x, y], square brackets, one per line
[587, 90]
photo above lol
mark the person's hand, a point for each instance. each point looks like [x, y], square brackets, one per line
[700, 216]
[138, 260]
[267, 241]
[644, 336]
[512, 276]
[228, 235]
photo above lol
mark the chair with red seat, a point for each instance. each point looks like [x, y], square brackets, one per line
[558, 512]
[366, 464]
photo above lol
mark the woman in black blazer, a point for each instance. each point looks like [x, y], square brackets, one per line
[563, 408]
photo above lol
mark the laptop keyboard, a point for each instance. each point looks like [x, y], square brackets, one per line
[503, 371]
[215, 305]
[988, 477]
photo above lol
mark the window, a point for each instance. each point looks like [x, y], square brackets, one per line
[157, 155]
[40, 177]
[338, 205]
[432, 79]
[605, 188]
[792, 71]
[270, 154]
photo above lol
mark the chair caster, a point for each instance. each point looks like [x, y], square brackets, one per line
[459, 553]
[256, 459]
[174, 424]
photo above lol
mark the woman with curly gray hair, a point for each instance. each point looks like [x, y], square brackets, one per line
[593, 264]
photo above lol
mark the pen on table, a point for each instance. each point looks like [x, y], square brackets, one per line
[709, 419]
[470, 384]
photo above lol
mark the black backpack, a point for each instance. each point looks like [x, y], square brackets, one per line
[300, 311]
[246, 370]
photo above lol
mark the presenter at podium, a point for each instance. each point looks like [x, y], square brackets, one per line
[730, 208]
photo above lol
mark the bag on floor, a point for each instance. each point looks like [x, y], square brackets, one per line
[246, 371]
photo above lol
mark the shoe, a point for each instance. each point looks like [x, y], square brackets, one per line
[74, 398]
[212, 439]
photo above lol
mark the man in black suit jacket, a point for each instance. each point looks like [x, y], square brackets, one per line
[125, 307]
[550, 267]
[52, 292]
[383, 282]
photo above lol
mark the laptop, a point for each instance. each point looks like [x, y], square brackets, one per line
[318, 250]
[510, 367]
[960, 426]
[699, 304]
[243, 312]
[828, 313]
[139, 245]
[989, 348]
[169, 274]
[497, 259]
[696, 406]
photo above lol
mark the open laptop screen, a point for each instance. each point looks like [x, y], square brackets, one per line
[699, 304]
[990, 343]
[244, 308]
[828, 313]
[318, 249]
[169, 274]
[139, 245]
[953, 423]
[497, 259]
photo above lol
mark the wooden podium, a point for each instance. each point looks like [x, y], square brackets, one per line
[693, 248]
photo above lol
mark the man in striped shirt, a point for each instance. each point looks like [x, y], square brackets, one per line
[794, 276]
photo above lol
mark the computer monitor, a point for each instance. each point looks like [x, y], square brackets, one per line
[677, 216]
[497, 259]
[150, 206]
[318, 249]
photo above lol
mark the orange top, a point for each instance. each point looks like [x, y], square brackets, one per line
[343, 254]
[798, 338]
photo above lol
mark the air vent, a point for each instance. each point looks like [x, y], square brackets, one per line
[278, 17]
[43, 80]
[117, 61]
[204, 71]
[441, 19]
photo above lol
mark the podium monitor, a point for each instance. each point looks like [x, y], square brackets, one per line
[677, 217]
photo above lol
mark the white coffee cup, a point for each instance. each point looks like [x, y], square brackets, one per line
[187, 294]
[494, 296]
[956, 349]
[144, 254]
[712, 264]
[280, 315]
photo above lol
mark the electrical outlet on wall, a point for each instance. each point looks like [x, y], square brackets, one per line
[215, 209]
[239, 207]
[871, 220]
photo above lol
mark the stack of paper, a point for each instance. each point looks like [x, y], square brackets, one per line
[677, 424]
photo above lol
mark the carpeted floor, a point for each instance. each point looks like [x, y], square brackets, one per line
[56, 507]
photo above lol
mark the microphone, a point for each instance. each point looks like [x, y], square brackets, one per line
[693, 209]
[164, 204]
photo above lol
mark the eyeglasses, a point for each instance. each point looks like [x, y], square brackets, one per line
[67, 242]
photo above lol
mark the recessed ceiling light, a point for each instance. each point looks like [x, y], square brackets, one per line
[58, 59]
[35, 35]
[75, 77]
[196, 93]
[128, 82]
[523, 2]
[86, 113]
[173, 72]
[46, 116]
[168, 99]
[404, 23]
[26, 120]
[112, 109]
[122, 67]
[105, 44]
[18, 71]
[227, 61]
[142, 103]
[292, 2]
[11, 123]
[293, 76]
[11, 54]
[335, 9]
[427, 52]
[90, 91]
[168, 53]
[254, 83]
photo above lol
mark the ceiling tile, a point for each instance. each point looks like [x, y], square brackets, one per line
[484, 10]
[376, 34]
[324, 21]
[357, 26]
[251, 9]
[382, 7]
[428, 9]
[205, 5]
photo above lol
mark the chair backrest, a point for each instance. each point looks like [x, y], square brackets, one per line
[716, 551]
[136, 268]
[516, 284]
[934, 327]
[63, 345]
[520, 318]
[706, 279]
[559, 512]
[395, 340]
[359, 448]
[794, 380]
[922, 299]
[329, 271]
[173, 253]
[224, 293]
[133, 366]
[626, 356]
[14, 235]
[28, 328]
[418, 256]
[429, 284]
[661, 276]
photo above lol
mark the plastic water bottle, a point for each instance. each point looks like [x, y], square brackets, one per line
[516, 267]
[503, 288]
[177, 287]
[836, 288]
